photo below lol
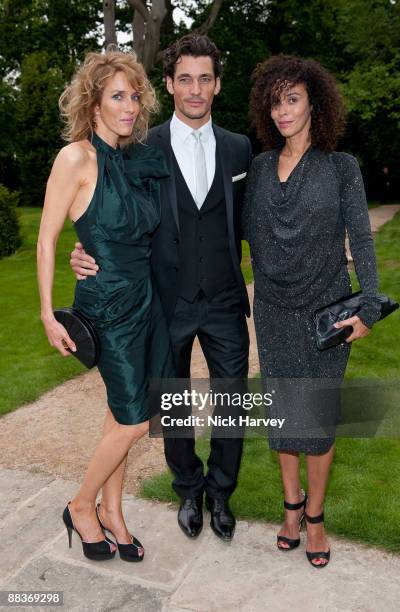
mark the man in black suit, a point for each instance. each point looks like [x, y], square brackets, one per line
[196, 265]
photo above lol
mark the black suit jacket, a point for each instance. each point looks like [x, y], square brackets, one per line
[235, 154]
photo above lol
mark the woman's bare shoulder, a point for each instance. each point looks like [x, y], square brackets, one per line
[77, 153]
[74, 160]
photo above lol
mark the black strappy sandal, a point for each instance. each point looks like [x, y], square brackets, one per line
[132, 552]
[292, 543]
[317, 555]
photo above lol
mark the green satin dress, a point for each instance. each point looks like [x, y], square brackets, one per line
[120, 300]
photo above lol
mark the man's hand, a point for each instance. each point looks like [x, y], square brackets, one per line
[359, 329]
[82, 264]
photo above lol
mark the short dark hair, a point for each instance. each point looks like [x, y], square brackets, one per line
[328, 117]
[195, 45]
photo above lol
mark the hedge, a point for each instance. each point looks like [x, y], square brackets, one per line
[10, 238]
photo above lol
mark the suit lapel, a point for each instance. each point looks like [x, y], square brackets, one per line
[226, 166]
[169, 184]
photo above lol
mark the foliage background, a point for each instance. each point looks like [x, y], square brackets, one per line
[41, 42]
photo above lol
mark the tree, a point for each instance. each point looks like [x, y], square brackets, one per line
[147, 25]
[64, 30]
[240, 34]
[43, 40]
[369, 32]
[38, 124]
[8, 162]
[110, 32]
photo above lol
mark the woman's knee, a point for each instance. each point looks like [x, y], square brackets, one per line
[133, 432]
[142, 429]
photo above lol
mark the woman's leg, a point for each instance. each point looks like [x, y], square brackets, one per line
[290, 471]
[317, 473]
[109, 454]
[110, 510]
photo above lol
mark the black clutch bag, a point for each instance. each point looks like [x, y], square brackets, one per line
[326, 317]
[83, 333]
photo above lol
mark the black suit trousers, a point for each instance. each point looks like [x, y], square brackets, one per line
[220, 325]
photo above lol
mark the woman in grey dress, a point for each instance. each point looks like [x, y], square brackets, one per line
[302, 196]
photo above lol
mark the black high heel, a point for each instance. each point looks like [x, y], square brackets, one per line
[317, 555]
[96, 551]
[292, 543]
[127, 552]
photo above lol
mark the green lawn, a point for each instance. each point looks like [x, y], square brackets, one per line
[246, 263]
[29, 366]
[363, 498]
[363, 501]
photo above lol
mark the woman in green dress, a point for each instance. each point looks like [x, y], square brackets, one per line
[106, 181]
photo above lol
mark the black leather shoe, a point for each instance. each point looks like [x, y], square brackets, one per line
[190, 516]
[222, 520]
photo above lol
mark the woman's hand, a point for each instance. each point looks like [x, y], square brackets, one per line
[359, 329]
[58, 336]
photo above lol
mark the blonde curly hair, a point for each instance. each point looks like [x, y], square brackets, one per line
[77, 101]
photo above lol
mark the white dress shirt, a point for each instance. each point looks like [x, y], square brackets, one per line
[183, 144]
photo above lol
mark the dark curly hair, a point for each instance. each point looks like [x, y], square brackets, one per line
[328, 116]
[195, 45]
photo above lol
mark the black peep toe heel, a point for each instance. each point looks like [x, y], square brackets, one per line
[133, 552]
[96, 551]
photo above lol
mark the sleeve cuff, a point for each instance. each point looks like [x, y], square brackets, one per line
[369, 314]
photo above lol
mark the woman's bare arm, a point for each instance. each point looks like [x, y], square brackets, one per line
[63, 185]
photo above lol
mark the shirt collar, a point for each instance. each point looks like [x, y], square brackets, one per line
[182, 131]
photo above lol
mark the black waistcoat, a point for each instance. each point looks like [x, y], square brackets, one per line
[205, 261]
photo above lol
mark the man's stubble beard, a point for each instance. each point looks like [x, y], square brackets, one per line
[189, 116]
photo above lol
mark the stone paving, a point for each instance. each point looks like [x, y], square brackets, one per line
[178, 574]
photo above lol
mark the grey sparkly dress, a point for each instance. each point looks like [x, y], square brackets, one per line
[296, 233]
